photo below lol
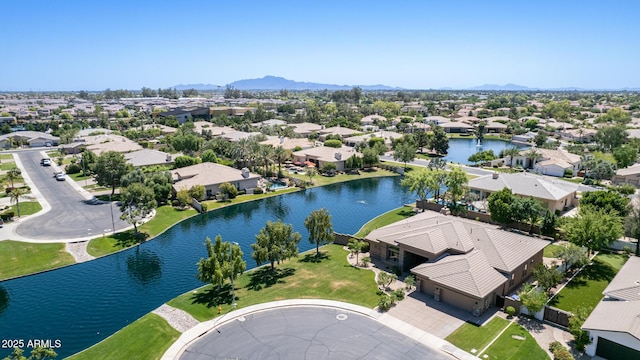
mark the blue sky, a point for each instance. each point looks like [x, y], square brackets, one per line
[94, 45]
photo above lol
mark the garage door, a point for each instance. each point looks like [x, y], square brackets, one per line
[614, 351]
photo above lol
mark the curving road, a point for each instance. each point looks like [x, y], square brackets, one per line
[71, 216]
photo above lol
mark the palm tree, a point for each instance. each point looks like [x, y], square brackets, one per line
[533, 155]
[265, 154]
[511, 152]
[280, 155]
[15, 197]
[13, 174]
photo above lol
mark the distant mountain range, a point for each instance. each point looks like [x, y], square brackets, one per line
[280, 83]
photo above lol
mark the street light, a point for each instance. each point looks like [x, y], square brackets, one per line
[233, 289]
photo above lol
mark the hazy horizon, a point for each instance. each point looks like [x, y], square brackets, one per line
[76, 45]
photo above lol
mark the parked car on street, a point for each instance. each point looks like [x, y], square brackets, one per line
[46, 162]
[60, 177]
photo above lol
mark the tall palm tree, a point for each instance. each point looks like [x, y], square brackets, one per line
[511, 152]
[13, 174]
[265, 155]
[280, 155]
[533, 155]
[15, 197]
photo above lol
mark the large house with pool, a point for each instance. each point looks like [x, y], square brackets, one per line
[465, 263]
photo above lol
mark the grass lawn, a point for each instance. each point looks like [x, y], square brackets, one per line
[8, 165]
[77, 177]
[470, 336]
[27, 207]
[20, 258]
[214, 204]
[385, 219]
[320, 180]
[552, 251]
[586, 288]
[6, 157]
[165, 217]
[508, 348]
[604, 156]
[330, 277]
[147, 338]
[469, 136]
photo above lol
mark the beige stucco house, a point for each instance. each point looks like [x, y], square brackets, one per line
[628, 175]
[211, 176]
[464, 263]
[614, 325]
[323, 154]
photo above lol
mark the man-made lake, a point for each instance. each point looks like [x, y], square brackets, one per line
[82, 304]
[461, 149]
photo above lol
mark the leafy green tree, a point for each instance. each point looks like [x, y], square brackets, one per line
[482, 156]
[593, 228]
[109, 169]
[138, 201]
[549, 223]
[405, 153]
[333, 143]
[456, 183]
[320, 229]
[275, 242]
[370, 157]
[87, 160]
[421, 138]
[625, 156]
[132, 177]
[38, 353]
[533, 299]
[311, 172]
[328, 167]
[218, 267]
[540, 139]
[354, 162]
[632, 224]
[197, 192]
[209, 156]
[611, 137]
[526, 210]
[603, 169]
[547, 277]
[184, 161]
[573, 255]
[440, 141]
[607, 201]
[183, 197]
[500, 206]
[581, 337]
[420, 181]
[161, 185]
[229, 189]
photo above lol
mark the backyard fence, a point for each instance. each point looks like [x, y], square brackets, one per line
[556, 316]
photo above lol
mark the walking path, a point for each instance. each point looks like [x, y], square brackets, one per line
[178, 319]
[79, 251]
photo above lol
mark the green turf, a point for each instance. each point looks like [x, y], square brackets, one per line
[585, 290]
[320, 180]
[20, 258]
[6, 157]
[26, 208]
[8, 165]
[385, 219]
[508, 348]
[330, 277]
[147, 338]
[470, 336]
[552, 251]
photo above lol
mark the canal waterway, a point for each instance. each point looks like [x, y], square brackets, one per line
[80, 305]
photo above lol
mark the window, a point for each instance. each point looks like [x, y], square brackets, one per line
[513, 277]
[392, 253]
[524, 271]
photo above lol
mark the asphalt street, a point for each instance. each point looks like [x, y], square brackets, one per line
[71, 216]
[307, 333]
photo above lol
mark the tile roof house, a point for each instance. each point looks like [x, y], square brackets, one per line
[388, 137]
[211, 176]
[628, 175]
[551, 162]
[552, 193]
[305, 129]
[32, 138]
[288, 143]
[149, 157]
[337, 130]
[456, 127]
[614, 324]
[324, 154]
[465, 263]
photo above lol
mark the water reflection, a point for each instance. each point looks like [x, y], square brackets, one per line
[4, 299]
[310, 196]
[144, 266]
[278, 207]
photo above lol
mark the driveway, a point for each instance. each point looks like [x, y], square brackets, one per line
[71, 216]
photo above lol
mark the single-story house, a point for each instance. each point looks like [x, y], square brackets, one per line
[456, 127]
[388, 137]
[324, 154]
[550, 162]
[305, 129]
[614, 325]
[370, 122]
[288, 143]
[495, 127]
[337, 130]
[628, 175]
[270, 122]
[436, 120]
[464, 263]
[149, 157]
[211, 176]
[579, 135]
[553, 194]
[236, 136]
[32, 138]
[103, 143]
[216, 111]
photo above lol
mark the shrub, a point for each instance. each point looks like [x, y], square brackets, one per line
[554, 346]
[258, 191]
[510, 310]
[7, 215]
[562, 354]
[333, 143]
[175, 203]
[398, 294]
[73, 169]
[385, 302]
[229, 189]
